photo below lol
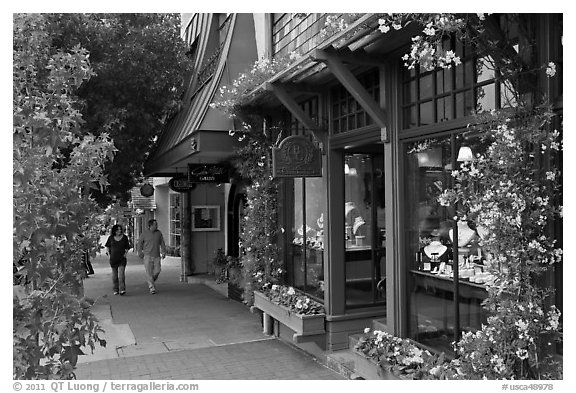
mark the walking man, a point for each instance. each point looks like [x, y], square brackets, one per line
[152, 249]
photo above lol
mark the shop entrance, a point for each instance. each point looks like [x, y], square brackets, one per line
[365, 228]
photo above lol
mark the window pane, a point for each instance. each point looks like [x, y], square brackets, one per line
[428, 173]
[486, 97]
[427, 86]
[440, 82]
[409, 117]
[485, 70]
[426, 113]
[444, 108]
[306, 270]
[507, 97]
[459, 77]
[469, 72]
[447, 79]
[464, 104]
[315, 207]
[429, 253]
[409, 92]
[358, 229]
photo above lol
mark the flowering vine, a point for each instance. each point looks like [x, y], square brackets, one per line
[258, 246]
[233, 98]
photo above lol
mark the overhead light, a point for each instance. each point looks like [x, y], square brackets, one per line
[465, 154]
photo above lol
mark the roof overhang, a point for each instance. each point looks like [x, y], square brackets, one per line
[367, 47]
[202, 146]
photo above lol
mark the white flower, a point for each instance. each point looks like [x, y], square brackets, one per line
[550, 176]
[522, 353]
[367, 330]
[291, 291]
[384, 28]
[522, 325]
[551, 70]
[429, 30]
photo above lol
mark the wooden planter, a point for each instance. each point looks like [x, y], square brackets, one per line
[303, 325]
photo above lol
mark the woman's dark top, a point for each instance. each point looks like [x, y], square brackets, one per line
[117, 250]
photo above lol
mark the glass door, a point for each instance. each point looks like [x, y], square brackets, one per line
[365, 230]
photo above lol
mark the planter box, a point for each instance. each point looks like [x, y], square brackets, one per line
[303, 325]
[369, 369]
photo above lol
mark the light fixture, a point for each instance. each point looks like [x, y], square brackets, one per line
[465, 154]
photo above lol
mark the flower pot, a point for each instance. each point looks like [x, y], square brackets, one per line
[303, 325]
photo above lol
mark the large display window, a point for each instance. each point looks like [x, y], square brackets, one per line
[431, 259]
[364, 230]
[306, 254]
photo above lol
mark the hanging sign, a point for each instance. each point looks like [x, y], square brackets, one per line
[208, 173]
[296, 156]
[181, 184]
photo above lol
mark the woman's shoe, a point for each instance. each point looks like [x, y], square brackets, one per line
[115, 292]
[122, 293]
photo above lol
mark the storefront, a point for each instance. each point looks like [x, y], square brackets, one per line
[369, 238]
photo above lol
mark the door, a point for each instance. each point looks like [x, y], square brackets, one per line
[365, 231]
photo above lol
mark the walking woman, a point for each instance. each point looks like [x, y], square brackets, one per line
[117, 248]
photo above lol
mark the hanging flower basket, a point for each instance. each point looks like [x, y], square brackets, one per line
[302, 324]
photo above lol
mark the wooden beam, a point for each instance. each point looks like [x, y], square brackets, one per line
[290, 104]
[294, 108]
[354, 87]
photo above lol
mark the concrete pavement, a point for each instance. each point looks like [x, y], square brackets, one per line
[185, 331]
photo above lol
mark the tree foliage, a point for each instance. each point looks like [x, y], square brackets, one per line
[140, 64]
[55, 219]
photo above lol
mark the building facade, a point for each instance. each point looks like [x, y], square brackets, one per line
[356, 236]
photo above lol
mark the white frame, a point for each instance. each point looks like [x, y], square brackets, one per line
[214, 211]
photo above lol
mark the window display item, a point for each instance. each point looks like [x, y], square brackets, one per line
[465, 234]
[358, 222]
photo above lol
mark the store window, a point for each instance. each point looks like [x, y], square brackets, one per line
[347, 114]
[306, 254]
[365, 230]
[430, 97]
[430, 257]
[174, 235]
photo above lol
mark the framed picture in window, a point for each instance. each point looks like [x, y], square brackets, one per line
[205, 218]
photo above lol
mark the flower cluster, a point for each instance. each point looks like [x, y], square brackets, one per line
[513, 340]
[402, 357]
[231, 97]
[291, 298]
[426, 49]
[335, 23]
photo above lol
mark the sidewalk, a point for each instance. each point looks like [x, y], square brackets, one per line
[185, 331]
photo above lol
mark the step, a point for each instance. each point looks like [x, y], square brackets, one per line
[343, 362]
